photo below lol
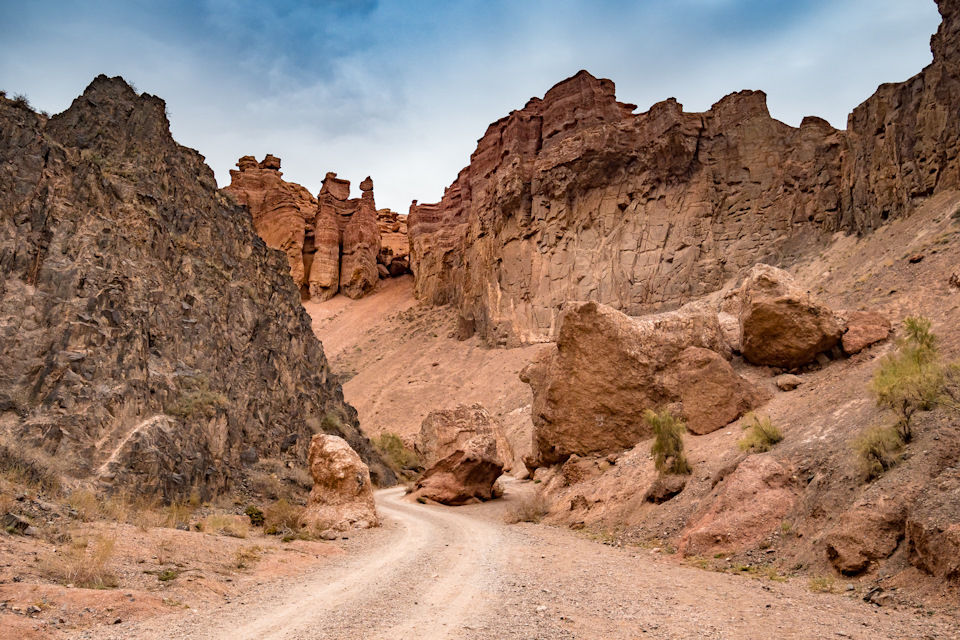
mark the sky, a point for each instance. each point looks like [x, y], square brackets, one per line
[401, 90]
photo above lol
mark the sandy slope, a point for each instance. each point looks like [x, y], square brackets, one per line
[401, 361]
[440, 572]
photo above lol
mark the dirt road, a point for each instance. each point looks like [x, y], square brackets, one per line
[434, 572]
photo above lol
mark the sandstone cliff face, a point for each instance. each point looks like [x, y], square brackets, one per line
[333, 242]
[574, 197]
[150, 337]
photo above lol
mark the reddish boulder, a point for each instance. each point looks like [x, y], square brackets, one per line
[933, 528]
[865, 535]
[864, 328]
[782, 325]
[445, 431]
[467, 475]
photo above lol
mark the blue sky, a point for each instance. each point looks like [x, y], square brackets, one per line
[402, 89]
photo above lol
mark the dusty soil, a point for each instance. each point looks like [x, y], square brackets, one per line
[437, 572]
[400, 360]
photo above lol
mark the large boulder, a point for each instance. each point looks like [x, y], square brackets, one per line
[865, 535]
[446, 430]
[933, 528]
[742, 510]
[342, 495]
[590, 390]
[781, 324]
[469, 474]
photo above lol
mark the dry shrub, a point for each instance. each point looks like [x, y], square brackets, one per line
[266, 484]
[282, 517]
[397, 455]
[530, 507]
[879, 449]
[226, 525]
[247, 557]
[762, 435]
[667, 448]
[824, 584]
[87, 505]
[198, 399]
[29, 468]
[7, 503]
[84, 563]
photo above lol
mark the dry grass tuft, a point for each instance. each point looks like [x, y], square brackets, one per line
[823, 584]
[282, 517]
[84, 563]
[226, 525]
[530, 507]
[762, 435]
[879, 449]
[247, 557]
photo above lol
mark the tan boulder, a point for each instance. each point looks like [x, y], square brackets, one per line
[590, 390]
[864, 328]
[712, 394]
[467, 475]
[446, 430]
[342, 495]
[782, 325]
[746, 507]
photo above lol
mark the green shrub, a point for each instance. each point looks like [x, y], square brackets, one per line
[198, 400]
[397, 455]
[255, 514]
[667, 448]
[282, 517]
[761, 435]
[879, 449]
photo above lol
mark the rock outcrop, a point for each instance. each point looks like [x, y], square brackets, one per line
[446, 430]
[467, 475]
[864, 328]
[152, 338]
[342, 494]
[933, 528]
[333, 242]
[781, 324]
[591, 389]
[575, 197]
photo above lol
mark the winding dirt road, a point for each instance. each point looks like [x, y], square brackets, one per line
[433, 572]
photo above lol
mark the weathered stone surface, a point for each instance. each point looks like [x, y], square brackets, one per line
[744, 509]
[446, 430]
[664, 488]
[866, 535]
[590, 390]
[342, 494]
[712, 394]
[469, 474]
[788, 381]
[574, 197]
[933, 528]
[781, 324]
[282, 211]
[360, 247]
[157, 337]
[864, 328]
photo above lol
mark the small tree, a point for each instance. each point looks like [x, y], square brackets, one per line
[667, 448]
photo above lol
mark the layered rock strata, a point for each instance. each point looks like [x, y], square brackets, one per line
[152, 340]
[333, 242]
[575, 197]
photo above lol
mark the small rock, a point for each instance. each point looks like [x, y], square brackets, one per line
[915, 258]
[32, 610]
[788, 382]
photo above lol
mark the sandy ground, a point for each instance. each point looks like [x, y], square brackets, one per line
[459, 572]
[400, 360]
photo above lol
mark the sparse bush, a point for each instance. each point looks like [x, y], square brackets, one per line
[667, 448]
[86, 504]
[530, 507]
[20, 100]
[912, 379]
[761, 434]
[255, 514]
[331, 423]
[879, 449]
[198, 400]
[226, 525]
[29, 468]
[824, 584]
[247, 556]
[282, 517]
[397, 455]
[84, 563]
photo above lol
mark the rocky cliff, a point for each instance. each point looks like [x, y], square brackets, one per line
[575, 197]
[334, 243]
[151, 339]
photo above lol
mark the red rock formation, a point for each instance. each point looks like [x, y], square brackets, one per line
[333, 242]
[282, 211]
[574, 197]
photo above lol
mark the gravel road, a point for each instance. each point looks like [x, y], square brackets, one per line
[435, 572]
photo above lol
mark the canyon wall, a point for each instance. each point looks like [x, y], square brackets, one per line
[152, 341]
[575, 197]
[333, 242]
